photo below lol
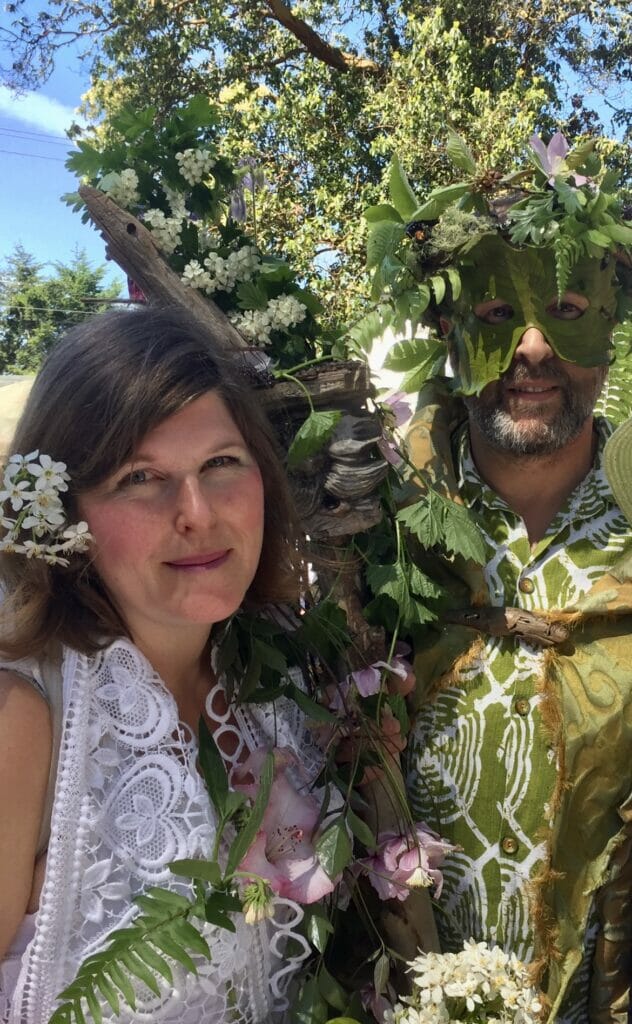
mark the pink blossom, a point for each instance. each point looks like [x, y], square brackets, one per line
[283, 849]
[551, 158]
[402, 862]
[368, 681]
[377, 1004]
[401, 406]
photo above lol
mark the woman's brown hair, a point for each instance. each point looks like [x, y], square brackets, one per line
[104, 386]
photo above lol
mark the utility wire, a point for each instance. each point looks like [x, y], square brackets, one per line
[34, 156]
[42, 135]
[32, 137]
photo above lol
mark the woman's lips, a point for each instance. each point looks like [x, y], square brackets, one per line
[201, 562]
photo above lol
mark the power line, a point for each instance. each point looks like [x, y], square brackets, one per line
[33, 137]
[34, 156]
[43, 135]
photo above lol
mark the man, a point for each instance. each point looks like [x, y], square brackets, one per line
[520, 748]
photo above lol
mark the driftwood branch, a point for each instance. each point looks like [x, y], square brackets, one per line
[130, 244]
[316, 45]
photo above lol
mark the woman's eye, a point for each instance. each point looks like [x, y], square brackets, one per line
[494, 314]
[221, 460]
[137, 476]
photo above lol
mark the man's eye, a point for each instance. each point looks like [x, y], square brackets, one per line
[565, 311]
[495, 314]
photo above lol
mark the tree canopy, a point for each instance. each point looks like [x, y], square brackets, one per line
[321, 95]
[36, 309]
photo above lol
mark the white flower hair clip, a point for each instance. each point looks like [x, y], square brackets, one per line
[31, 486]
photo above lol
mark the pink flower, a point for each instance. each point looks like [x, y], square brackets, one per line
[283, 849]
[401, 863]
[378, 1005]
[368, 681]
[552, 158]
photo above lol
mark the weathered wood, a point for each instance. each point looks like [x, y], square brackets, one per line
[130, 244]
[331, 385]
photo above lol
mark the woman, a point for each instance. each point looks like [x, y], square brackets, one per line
[107, 661]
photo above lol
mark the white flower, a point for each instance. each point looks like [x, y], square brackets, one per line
[49, 474]
[121, 187]
[15, 492]
[195, 165]
[165, 230]
[286, 311]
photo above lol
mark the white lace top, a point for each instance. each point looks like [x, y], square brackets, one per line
[128, 800]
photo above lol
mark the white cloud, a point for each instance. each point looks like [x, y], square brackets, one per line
[37, 110]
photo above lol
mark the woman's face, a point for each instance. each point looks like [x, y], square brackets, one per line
[178, 529]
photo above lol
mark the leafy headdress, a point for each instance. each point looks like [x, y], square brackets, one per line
[553, 226]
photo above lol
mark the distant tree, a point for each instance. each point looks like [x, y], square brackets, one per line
[36, 308]
[320, 93]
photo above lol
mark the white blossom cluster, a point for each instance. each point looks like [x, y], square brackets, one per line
[221, 274]
[122, 187]
[195, 164]
[256, 325]
[165, 230]
[176, 202]
[31, 486]
[478, 983]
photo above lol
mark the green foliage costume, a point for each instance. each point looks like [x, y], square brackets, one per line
[523, 756]
[521, 734]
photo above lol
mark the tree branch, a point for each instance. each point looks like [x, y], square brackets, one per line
[316, 45]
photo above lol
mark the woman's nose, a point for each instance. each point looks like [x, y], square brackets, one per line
[194, 508]
[533, 347]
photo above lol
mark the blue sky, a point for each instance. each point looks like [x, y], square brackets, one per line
[33, 149]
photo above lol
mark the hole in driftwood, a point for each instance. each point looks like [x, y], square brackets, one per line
[131, 229]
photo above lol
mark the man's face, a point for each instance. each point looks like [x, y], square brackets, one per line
[531, 366]
[507, 291]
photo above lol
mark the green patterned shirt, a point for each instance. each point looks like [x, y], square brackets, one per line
[480, 767]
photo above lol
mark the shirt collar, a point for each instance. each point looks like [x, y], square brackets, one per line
[588, 497]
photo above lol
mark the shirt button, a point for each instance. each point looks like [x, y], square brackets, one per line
[526, 585]
[509, 845]
[522, 707]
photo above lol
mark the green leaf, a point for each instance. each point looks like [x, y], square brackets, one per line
[165, 941]
[122, 982]
[154, 961]
[424, 519]
[310, 1007]
[402, 195]
[331, 990]
[310, 708]
[140, 970]
[108, 991]
[243, 841]
[381, 973]
[598, 238]
[382, 212]
[384, 240]
[217, 907]
[93, 1006]
[85, 161]
[618, 233]
[397, 705]
[132, 122]
[207, 870]
[184, 932]
[319, 928]
[360, 829]
[455, 281]
[312, 435]
[439, 200]
[461, 535]
[269, 655]
[461, 157]
[333, 848]
[213, 770]
[170, 899]
[438, 286]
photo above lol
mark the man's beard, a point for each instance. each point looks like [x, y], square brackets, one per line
[534, 438]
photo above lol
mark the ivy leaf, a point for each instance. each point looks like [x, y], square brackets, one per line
[243, 841]
[461, 157]
[213, 770]
[402, 195]
[333, 848]
[312, 435]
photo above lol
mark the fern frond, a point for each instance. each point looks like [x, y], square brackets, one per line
[615, 401]
[138, 951]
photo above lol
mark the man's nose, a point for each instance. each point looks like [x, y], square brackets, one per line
[533, 347]
[194, 510]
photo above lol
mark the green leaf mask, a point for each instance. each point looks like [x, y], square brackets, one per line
[525, 280]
